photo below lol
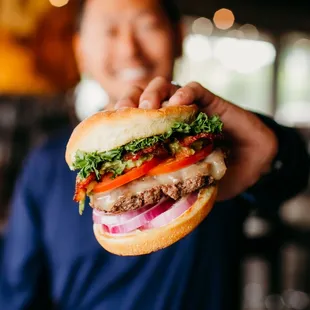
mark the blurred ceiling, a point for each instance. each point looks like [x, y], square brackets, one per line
[274, 15]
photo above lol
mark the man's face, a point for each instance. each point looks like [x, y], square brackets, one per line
[125, 42]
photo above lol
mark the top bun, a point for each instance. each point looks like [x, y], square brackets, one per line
[107, 130]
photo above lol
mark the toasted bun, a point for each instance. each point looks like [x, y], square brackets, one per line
[108, 130]
[144, 242]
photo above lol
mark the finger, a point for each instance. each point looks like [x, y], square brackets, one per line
[158, 90]
[195, 93]
[190, 93]
[130, 98]
[209, 103]
[237, 121]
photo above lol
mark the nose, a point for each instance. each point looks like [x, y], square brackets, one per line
[128, 45]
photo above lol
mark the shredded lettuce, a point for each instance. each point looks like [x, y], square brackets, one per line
[111, 161]
[81, 206]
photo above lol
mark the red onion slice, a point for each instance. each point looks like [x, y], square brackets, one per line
[147, 217]
[101, 217]
[139, 220]
[174, 212]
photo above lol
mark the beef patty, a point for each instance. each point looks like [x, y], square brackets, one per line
[153, 195]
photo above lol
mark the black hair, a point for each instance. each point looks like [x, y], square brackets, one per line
[169, 7]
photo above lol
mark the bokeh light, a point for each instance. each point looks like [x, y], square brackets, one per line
[197, 47]
[273, 302]
[238, 34]
[244, 56]
[224, 19]
[202, 26]
[90, 98]
[250, 31]
[296, 299]
[59, 3]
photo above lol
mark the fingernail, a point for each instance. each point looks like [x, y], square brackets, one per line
[145, 104]
[179, 94]
[125, 103]
[116, 106]
[176, 98]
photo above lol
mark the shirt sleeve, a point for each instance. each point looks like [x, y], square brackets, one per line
[22, 259]
[289, 174]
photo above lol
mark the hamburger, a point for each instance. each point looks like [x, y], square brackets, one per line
[151, 176]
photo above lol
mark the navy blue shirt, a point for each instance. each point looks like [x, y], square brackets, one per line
[50, 252]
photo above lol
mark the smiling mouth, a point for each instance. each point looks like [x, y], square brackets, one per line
[133, 74]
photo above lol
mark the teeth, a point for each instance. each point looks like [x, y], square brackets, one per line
[133, 74]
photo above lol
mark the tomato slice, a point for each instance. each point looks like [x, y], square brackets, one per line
[107, 183]
[174, 164]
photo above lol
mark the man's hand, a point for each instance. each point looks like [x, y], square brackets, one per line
[253, 145]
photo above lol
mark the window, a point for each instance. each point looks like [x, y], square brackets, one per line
[234, 65]
[293, 80]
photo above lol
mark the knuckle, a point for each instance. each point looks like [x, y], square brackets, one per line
[132, 91]
[151, 95]
[195, 85]
[126, 102]
[136, 90]
[161, 79]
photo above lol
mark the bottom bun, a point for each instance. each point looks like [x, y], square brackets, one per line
[144, 242]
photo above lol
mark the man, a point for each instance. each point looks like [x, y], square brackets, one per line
[125, 45]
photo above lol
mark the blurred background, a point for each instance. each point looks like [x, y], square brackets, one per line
[255, 53]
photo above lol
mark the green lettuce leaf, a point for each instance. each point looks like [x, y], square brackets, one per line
[203, 123]
[140, 144]
[88, 162]
[111, 161]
